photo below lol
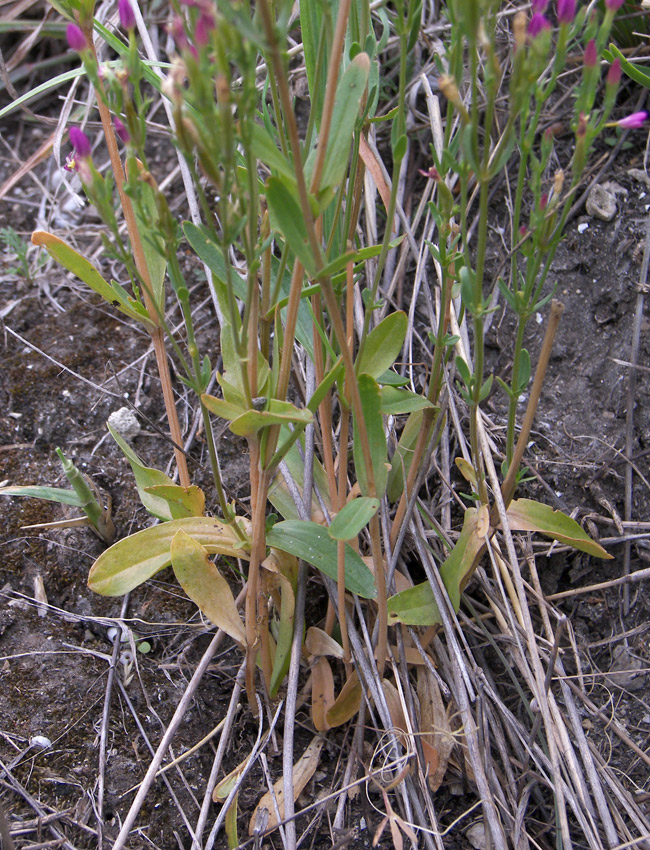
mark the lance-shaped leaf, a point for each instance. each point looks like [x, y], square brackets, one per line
[211, 254]
[303, 770]
[205, 585]
[287, 217]
[372, 427]
[85, 271]
[312, 543]
[137, 558]
[528, 515]
[285, 569]
[352, 518]
[50, 494]
[417, 606]
[345, 116]
[403, 455]
[383, 345]
[279, 413]
[182, 501]
[395, 401]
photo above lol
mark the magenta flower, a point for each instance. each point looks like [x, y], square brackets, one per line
[538, 24]
[614, 5]
[566, 11]
[633, 121]
[120, 131]
[76, 38]
[127, 18]
[80, 142]
[539, 6]
[591, 54]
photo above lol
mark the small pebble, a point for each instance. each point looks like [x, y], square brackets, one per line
[601, 203]
[125, 422]
[584, 225]
[40, 741]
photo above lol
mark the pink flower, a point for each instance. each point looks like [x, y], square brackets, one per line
[538, 24]
[127, 18]
[633, 121]
[120, 131]
[539, 6]
[566, 11]
[614, 5]
[76, 38]
[614, 73]
[591, 54]
[80, 143]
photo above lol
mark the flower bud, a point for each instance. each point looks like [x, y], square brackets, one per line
[591, 54]
[539, 6]
[614, 5]
[127, 17]
[614, 73]
[519, 29]
[120, 131]
[566, 11]
[204, 27]
[76, 38]
[539, 23]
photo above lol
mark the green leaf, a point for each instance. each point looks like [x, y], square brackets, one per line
[140, 556]
[417, 606]
[312, 543]
[395, 401]
[205, 585]
[354, 516]
[146, 214]
[383, 344]
[47, 86]
[372, 427]
[222, 409]
[280, 413]
[85, 271]
[345, 116]
[403, 455]
[287, 217]
[633, 71]
[528, 515]
[211, 254]
[50, 494]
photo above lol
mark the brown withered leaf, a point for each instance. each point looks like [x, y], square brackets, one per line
[322, 693]
[437, 737]
[303, 770]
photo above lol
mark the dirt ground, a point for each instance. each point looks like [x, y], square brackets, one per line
[55, 656]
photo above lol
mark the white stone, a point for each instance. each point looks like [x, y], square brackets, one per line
[125, 422]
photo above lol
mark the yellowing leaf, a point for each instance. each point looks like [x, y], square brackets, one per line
[417, 606]
[528, 515]
[129, 562]
[303, 770]
[205, 585]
